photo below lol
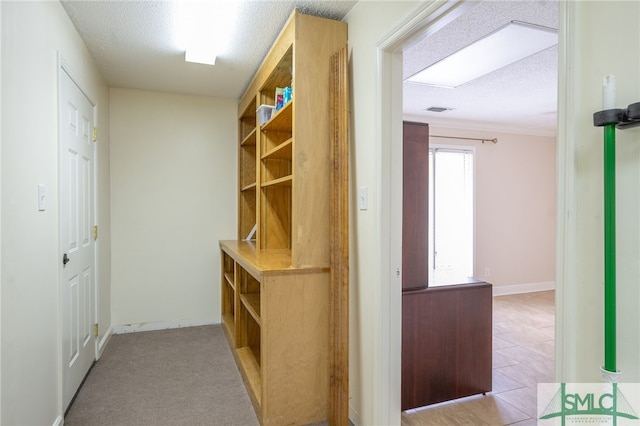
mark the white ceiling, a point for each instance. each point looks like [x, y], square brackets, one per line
[133, 44]
[521, 97]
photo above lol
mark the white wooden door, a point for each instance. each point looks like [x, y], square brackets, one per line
[76, 234]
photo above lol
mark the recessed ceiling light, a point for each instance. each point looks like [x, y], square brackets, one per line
[509, 44]
[200, 56]
[203, 29]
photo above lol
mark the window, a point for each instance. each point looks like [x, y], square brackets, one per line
[451, 211]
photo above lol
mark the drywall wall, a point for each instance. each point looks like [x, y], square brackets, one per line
[173, 196]
[32, 35]
[590, 34]
[515, 207]
[369, 23]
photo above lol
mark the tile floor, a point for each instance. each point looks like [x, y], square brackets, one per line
[523, 356]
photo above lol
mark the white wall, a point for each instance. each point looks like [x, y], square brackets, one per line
[593, 49]
[515, 207]
[579, 201]
[173, 196]
[32, 34]
[369, 23]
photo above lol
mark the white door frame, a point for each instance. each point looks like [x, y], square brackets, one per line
[428, 17]
[64, 67]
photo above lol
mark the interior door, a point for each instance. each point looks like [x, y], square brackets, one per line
[76, 233]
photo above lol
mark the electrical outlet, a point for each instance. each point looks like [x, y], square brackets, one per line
[487, 271]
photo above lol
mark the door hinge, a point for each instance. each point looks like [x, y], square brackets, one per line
[95, 232]
[95, 134]
[95, 330]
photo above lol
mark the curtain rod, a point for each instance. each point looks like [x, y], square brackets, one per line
[483, 140]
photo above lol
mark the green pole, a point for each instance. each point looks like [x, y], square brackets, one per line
[610, 248]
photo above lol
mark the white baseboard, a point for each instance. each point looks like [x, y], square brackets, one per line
[504, 290]
[103, 342]
[59, 421]
[158, 325]
[354, 417]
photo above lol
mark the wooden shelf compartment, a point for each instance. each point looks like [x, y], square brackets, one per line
[248, 333]
[251, 302]
[272, 140]
[229, 278]
[275, 215]
[282, 151]
[250, 139]
[247, 165]
[248, 123]
[228, 301]
[281, 120]
[228, 295]
[246, 283]
[228, 321]
[275, 168]
[247, 209]
[251, 374]
[280, 76]
[228, 264]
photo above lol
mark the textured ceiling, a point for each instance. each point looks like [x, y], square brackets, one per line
[521, 97]
[133, 43]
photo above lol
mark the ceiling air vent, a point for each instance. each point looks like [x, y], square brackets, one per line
[438, 109]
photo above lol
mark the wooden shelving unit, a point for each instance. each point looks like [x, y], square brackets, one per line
[247, 177]
[275, 290]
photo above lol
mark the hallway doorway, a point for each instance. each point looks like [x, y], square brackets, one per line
[427, 20]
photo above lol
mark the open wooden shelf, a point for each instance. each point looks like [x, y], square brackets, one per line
[229, 322]
[250, 139]
[250, 372]
[249, 187]
[252, 302]
[281, 120]
[283, 181]
[282, 151]
[229, 278]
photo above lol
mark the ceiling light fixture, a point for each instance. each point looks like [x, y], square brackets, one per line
[511, 43]
[203, 29]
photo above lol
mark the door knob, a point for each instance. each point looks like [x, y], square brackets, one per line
[65, 259]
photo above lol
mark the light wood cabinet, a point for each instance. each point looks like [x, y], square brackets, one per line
[275, 289]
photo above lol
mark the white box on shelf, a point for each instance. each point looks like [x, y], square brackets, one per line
[264, 113]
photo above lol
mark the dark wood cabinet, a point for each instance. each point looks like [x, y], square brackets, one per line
[446, 326]
[415, 205]
[446, 343]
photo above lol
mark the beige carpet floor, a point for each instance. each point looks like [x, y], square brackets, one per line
[183, 376]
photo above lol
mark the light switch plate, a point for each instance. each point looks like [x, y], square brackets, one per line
[363, 198]
[42, 198]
